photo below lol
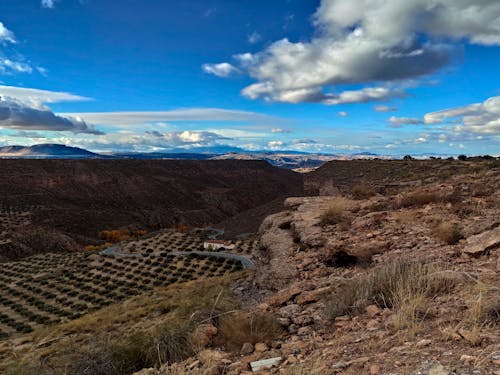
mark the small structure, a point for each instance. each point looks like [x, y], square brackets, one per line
[218, 245]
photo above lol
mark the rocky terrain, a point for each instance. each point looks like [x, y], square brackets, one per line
[389, 268]
[318, 254]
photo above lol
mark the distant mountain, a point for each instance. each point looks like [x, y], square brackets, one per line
[287, 159]
[47, 151]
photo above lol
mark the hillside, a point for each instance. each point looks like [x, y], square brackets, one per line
[82, 197]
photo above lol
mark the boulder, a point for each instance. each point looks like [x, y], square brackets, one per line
[483, 243]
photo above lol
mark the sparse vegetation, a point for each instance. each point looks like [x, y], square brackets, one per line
[401, 285]
[363, 191]
[238, 329]
[448, 233]
[337, 213]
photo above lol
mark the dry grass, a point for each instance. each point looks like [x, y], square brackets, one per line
[362, 191]
[241, 328]
[337, 213]
[484, 307]
[417, 198]
[448, 233]
[401, 285]
[313, 366]
[153, 327]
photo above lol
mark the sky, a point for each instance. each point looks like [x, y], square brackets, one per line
[391, 77]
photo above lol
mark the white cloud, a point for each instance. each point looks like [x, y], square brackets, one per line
[367, 41]
[275, 144]
[280, 130]
[48, 3]
[185, 114]
[474, 118]
[397, 122]
[6, 36]
[384, 108]
[15, 114]
[36, 97]
[343, 114]
[220, 70]
[7, 65]
[150, 141]
[254, 37]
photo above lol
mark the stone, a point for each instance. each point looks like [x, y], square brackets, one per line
[265, 363]
[246, 348]
[311, 296]
[374, 369]
[289, 311]
[422, 343]
[209, 356]
[302, 331]
[260, 347]
[372, 325]
[483, 242]
[438, 369]
[372, 310]
[283, 296]
[203, 335]
[467, 359]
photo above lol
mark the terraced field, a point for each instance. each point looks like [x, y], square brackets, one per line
[171, 241]
[51, 288]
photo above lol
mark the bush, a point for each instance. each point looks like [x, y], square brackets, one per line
[401, 285]
[241, 328]
[362, 191]
[418, 198]
[337, 213]
[448, 233]
[134, 352]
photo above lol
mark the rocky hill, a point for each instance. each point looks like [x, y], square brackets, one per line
[83, 197]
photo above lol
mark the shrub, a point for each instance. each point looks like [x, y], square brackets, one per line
[418, 198]
[241, 328]
[337, 213]
[362, 191]
[401, 285]
[448, 233]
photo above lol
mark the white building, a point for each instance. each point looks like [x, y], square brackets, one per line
[218, 245]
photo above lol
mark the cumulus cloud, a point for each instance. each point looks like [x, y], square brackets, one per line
[15, 114]
[384, 108]
[185, 114]
[343, 114]
[474, 118]
[368, 41]
[152, 140]
[6, 36]
[220, 70]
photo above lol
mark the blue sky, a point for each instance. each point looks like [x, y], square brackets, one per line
[336, 76]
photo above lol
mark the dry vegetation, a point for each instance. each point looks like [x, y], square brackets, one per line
[337, 213]
[145, 331]
[238, 329]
